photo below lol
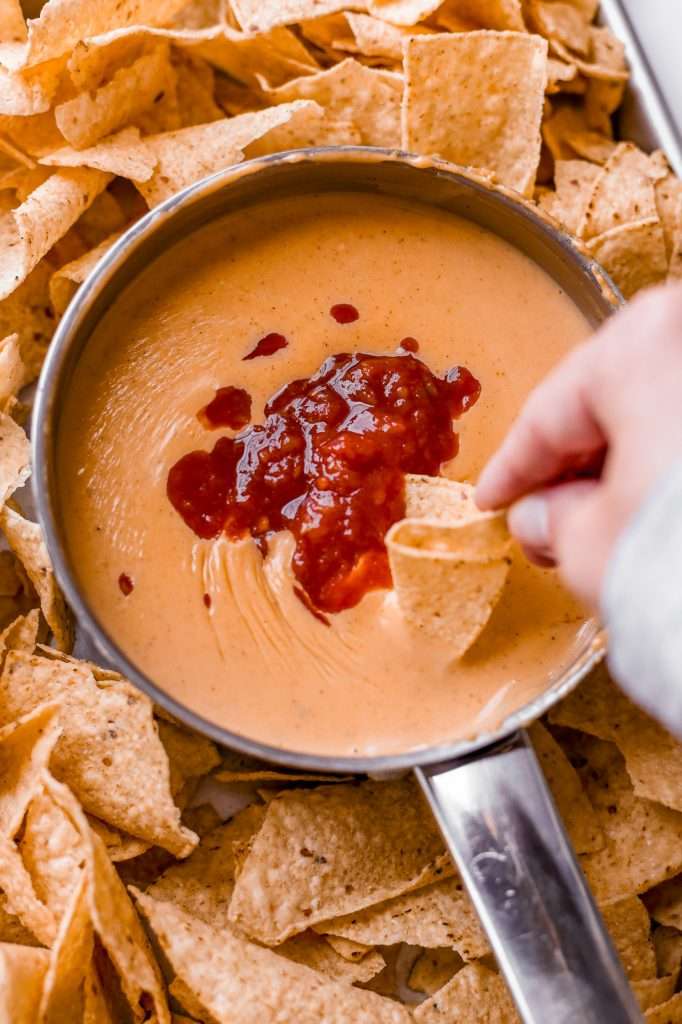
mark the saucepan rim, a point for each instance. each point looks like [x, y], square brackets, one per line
[45, 413]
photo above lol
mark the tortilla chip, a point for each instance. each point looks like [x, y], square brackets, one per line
[123, 154]
[630, 929]
[369, 98]
[261, 15]
[66, 281]
[560, 76]
[448, 578]
[30, 231]
[575, 809]
[439, 915]
[370, 842]
[63, 23]
[114, 918]
[623, 192]
[96, 1009]
[488, 109]
[23, 93]
[109, 752]
[52, 851]
[633, 254]
[186, 156]
[474, 994]
[309, 127]
[26, 541]
[666, 1013]
[314, 951]
[233, 979]
[669, 205]
[119, 845]
[625, 865]
[574, 182]
[89, 117]
[562, 23]
[12, 22]
[11, 928]
[27, 313]
[603, 61]
[606, 79]
[22, 970]
[272, 57]
[563, 120]
[236, 767]
[501, 15]
[403, 12]
[653, 991]
[63, 995]
[668, 948]
[374, 37]
[437, 497]
[190, 755]
[591, 145]
[26, 746]
[433, 969]
[15, 457]
[653, 757]
[21, 900]
[203, 884]
[13, 373]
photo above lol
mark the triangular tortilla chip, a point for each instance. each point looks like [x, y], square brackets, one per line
[630, 929]
[66, 281]
[437, 915]
[494, 14]
[203, 884]
[666, 1013]
[114, 919]
[436, 497]
[119, 845]
[474, 986]
[20, 896]
[309, 127]
[63, 23]
[487, 110]
[22, 970]
[668, 948]
[186, 156]
[373, 37]
[274, 56]
[12, 369]
[15, 457]
[574, 182]
[623, 192]
[634, 254]
[664, 903]
[260, 15]
[575, 809]
[27, 312]
[370, 842]
[669, 205]
[403, 12]
[123, 154]
[26, 746]
[89, 117]
[236, 980]
[449, 577]
[591, 146]
[29, 232]
[24, 93]
[63, 995]
[626, 865]
[52, 851]
[26, 541]
[653, 757]
[109, 752]
[369, 98]
[190, 755]
[652, 992]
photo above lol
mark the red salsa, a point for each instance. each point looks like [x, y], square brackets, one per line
[125, 584]
[344, 313]
[267, 346]
[328, 464]
[231, 408]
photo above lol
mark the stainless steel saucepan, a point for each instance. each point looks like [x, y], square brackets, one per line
[488, 794]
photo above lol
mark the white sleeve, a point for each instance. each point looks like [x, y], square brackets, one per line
[642, 604]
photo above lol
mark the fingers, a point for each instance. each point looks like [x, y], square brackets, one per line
[556, 430]
[566, 526]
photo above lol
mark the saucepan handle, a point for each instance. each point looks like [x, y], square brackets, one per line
[504, 833]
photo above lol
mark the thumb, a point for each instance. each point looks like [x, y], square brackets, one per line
[558, 526]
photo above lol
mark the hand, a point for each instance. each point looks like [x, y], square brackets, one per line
[613, 406]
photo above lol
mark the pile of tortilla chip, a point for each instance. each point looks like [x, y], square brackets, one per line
[144, 874]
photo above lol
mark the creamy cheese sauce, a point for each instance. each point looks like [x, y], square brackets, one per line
[256, 660]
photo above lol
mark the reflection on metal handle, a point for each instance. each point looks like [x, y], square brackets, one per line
[504, 833]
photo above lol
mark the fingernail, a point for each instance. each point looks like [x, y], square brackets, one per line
[528, 521]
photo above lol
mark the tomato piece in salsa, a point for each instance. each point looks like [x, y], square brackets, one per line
[328, 463]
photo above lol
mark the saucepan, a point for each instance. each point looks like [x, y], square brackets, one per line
[487, 793]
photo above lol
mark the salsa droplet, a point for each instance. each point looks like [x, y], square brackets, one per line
[344, 313]
[267, 346]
